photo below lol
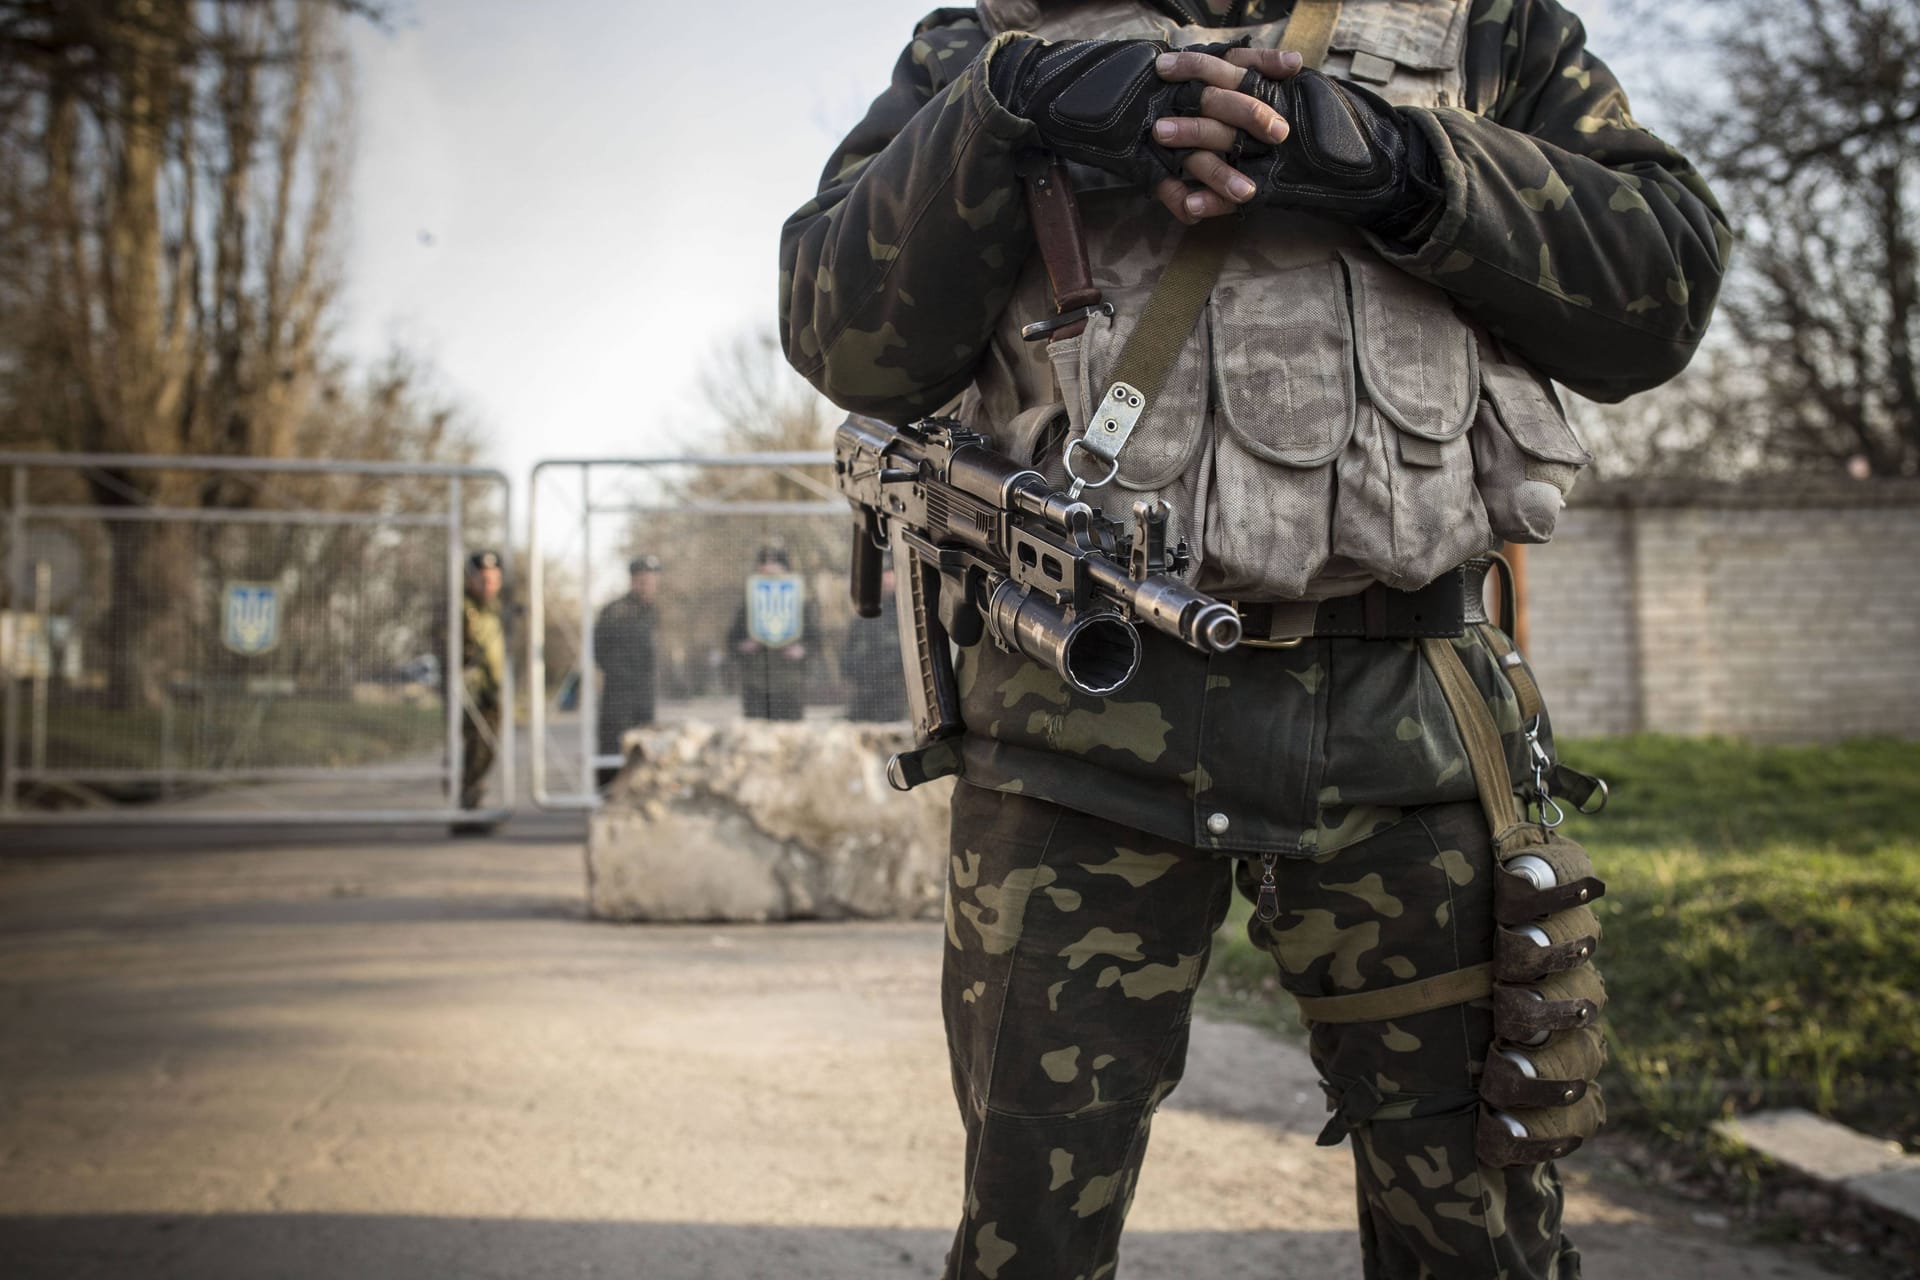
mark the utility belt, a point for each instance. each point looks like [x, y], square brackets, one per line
[1442, 609]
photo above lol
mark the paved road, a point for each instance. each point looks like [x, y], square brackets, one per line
[374, 1060]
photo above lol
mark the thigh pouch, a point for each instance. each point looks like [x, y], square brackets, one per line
[1538, 1095]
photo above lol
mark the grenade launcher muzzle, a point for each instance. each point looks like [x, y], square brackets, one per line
[1094, 652]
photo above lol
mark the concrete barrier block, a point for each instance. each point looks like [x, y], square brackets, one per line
[766, 821]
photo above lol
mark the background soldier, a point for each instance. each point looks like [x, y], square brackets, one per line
[1345, 404]
[623, 648]
[769, 638]
[483, 673]
[870, 662]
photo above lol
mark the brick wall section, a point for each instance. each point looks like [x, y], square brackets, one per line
[1772, 611]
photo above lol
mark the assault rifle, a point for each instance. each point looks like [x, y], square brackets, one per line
[989, 547]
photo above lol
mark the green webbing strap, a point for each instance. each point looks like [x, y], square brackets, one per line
[1525, 692]
[1178, 296]
[1309, 30]
[1356, 1102]
[1454, 987]
[1184, 287]
[1479, 735]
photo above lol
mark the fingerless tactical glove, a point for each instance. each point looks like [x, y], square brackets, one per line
[1348, 154]
[1095, 101]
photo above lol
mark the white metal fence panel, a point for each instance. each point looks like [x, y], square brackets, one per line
[216, 640]
[724, 636]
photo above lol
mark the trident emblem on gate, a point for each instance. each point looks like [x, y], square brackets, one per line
[774, 603]
[252, 617]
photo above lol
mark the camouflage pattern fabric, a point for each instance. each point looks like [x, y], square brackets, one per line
[479, 732]
[483, 651]
[1582, 241]
[1074, 946]
[483, 669]
[1288, 751]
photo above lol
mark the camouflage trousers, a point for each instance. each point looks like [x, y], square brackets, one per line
[479, 733]
[1074, 947]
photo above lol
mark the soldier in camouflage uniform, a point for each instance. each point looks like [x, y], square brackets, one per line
[1373, 357]
[483, 672]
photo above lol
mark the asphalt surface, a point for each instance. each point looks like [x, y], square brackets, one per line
[245, 1054]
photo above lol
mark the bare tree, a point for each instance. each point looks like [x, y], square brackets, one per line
[754, 403]
[1809, 129]
[171, 172]
[757, 404]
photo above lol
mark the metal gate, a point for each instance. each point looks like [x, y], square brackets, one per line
[724, 634]
[207, 640]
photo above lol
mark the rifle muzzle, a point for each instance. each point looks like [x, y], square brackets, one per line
[1171, 606]
[1096, 652]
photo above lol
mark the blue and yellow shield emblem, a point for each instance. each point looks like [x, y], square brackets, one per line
[251, 617]
[775, 602]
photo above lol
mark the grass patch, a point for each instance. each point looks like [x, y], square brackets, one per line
[242, 733]
[1762, 931]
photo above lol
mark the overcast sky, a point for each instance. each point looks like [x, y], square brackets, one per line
[568, 206]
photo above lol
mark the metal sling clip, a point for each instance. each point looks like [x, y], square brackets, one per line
[1044, 328]
[1542, 770]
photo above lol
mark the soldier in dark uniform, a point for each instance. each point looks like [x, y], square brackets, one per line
[483, 674]
[623, 648]
[870, 662]
[770, 640]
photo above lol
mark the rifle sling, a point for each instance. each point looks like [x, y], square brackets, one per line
[1309, 30]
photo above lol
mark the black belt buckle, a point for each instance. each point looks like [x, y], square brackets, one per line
[1256, 627]
[1435, 611]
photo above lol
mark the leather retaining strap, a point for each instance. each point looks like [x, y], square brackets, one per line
[1063, 246]
[1444, 607]
[1456, 986]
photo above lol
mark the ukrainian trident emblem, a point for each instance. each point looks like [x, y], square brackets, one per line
[251, 619]
[774, 604]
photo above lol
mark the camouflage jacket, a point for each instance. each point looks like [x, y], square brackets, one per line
[894, 275]
[893, 282]
[483, 652]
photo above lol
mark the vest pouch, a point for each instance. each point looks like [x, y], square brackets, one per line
[1524, 452]
[1284, 393]
[1408, 509]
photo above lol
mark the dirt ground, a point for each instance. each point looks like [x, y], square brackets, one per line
[412, 1058]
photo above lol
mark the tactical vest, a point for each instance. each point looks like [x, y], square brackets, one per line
[1331, 421]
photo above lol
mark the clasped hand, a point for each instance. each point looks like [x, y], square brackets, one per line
[1224, 117]
[1212, 128]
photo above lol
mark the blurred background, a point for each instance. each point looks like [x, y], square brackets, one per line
[304, 302]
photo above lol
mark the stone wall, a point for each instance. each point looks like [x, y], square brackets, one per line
[1770, 610]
